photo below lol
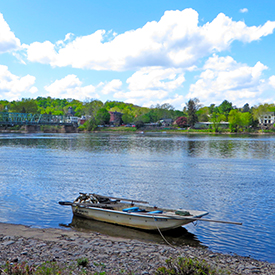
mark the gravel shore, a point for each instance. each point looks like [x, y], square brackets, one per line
[112, 255]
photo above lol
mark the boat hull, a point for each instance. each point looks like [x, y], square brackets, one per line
[135, 220]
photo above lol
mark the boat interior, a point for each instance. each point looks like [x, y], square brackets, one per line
[127, 205]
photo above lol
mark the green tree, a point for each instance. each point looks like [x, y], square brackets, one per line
[91, 107]
[139, 124]
[54, 106]
[102, 116]
[225, 107]
[192, 108]
[139, 111]
[76, 105]
[245, 120]
[127, 118]
[147, 117]
[177, 113]
[246, 108]
[165, 110]
[234, 120]
[239, 121]
[216, 119]
[203, 114]
[152, 114]
[211, 108]
[3, 105]
[90, 124]
[262, 109]
[26, 105]
[144, 118]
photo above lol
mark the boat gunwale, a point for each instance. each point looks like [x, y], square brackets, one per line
[170, 215]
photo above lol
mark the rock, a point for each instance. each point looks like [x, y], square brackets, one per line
[8, 238]
[6, 243]
[106, 254]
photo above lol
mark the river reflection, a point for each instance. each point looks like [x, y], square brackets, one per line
[231, 177]
[176, 237]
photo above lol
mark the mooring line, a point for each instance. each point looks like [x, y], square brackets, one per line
[162, 234]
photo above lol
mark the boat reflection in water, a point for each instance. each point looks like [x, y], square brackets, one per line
[177, 237]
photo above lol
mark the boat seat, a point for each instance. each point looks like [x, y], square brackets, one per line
[133, 209]
[155, 212]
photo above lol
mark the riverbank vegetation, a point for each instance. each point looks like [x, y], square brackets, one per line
[183, 266]
[221, 118]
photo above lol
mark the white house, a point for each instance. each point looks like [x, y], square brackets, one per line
[267, 119]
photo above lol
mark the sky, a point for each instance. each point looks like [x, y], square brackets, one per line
[140, 52]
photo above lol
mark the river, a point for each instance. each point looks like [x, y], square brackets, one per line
[232, 177]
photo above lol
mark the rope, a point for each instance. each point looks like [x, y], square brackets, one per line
[162, 234]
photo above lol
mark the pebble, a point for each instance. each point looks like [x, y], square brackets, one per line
[106, 254]
[7, 243]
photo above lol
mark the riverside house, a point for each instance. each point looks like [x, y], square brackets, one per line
[115, 118]
[267, 119]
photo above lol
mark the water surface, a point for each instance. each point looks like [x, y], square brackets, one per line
[231, 177]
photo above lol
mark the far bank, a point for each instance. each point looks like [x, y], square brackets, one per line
[122, 129]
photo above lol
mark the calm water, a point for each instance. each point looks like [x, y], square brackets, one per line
[231, 177]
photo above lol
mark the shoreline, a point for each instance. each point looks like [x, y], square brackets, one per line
[21, 243]
[166, 131]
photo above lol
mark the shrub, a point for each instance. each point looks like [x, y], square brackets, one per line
[186, 266]
[139, 124]
[82, 262]
[18, 269]
[181, 121]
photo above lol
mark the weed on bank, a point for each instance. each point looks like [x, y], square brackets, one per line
[180, 266]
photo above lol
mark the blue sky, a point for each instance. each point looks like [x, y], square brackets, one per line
[142, 52]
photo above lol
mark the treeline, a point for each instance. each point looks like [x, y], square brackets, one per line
[98, 112]
[239, 119]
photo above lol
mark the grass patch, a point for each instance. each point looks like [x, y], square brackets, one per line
[82, 262]
[118, 129]
[269, 131]
[187, 266]
[179, 266]
[47, 268]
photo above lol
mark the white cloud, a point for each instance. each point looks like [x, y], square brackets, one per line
[113, 86]
[176, 40]
[61, 43]
[222, 31]
[224, 78]
[272, 81]
[152, 84]
[41, 52]
[13, 87]
[70, 87]
[8, 41]
[177, 101]
[244, 10]
[155, 78]
[68, 36]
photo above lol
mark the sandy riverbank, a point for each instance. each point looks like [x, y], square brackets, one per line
[20, 243]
